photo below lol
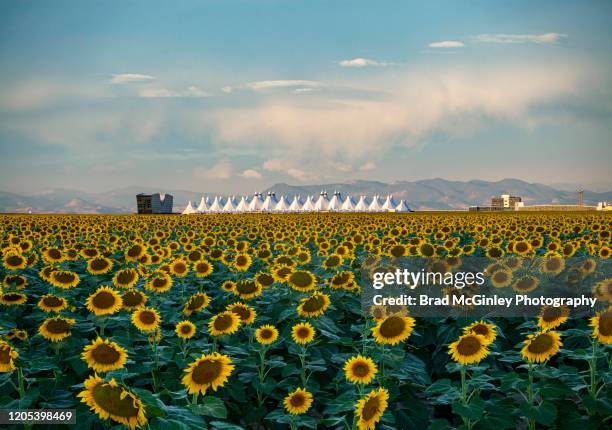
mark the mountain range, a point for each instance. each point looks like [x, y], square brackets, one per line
[428, 194]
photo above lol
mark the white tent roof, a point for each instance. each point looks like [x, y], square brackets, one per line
[348, 204]
[308, 205]
[375, 205]
[229, 205]
[295, 205]
[269, 203]
[242, 206]
[389, 204]
[202, 207]
[215, 206]
[282, 205]
[335, 203]
[402, 207]
[361, 204]
[255, 203]
[189, 209]
[322, 203]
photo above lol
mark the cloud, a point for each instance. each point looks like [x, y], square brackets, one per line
[265, 85]
[298, 174]
[551, 38]
[165, 93]
[222, 170]
[128, 78]
[251, 174]
[447, 44]
[363, 62]
[286, 167]
[370, 165]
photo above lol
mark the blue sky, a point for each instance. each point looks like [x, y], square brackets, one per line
[233, 96]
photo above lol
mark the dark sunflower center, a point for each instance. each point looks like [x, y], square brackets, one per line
[332, 261]
[265, 334]
[246, 287]
[125, 277]
[283, 272]
[313, 304]
[57, 326]
[541, 344]
[185, 329]
[500, 277]
[109, 399]
[104, 300]
[54, 254]
[551, 314]
[391, 327]
[242, 312]
[361, 369]
[134, 251]
[15, 280]
[265, 279]
[196, 303]
[370, 409]
[525, 283]
[223, 322]
[241, 261]
[132, 298]
[469, 346]
[207, 371]
[105, 354]
[147, 317]
[12, 297]
[427, 250]
[180, 268]
[520, 247]
[297, 400]
[52, 302]
[202, 267]
[480, 329]
[303, 333]
[64, 277]
[301, 279]
[5, 354]
[159, 282]
[341, 279]
[99, 264]
[605, 323]
[553, 264]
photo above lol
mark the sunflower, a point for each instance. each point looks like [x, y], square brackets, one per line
[146, 319]
[266, 334]
[342, 279]
[185, 329]
[56, 329]
[15, 281]
[369, 409]
[14, 261]
[228, 286]
[280, 274]
[393, 329]
[360, 370]
[551, 317]
[246, 313]
[133, 299]
[303, 333]
[501, 278]
[553, 265]
[135, 252]
[196, 303]
[486, 330]
[52, 303]
[264, 280]
[224, 323]
[602, 326]
[13, 298]
[314, 305]
[99, 265]
[104, 355]
[208, 371]
[64, 279]
[125, 278]
[378, 312]
[160, 282]
[525, 284]
[247, 289]
[104, 301]
[7, 355]
[179, 268]
[242, 262]
[202, 268]
[298, 402]
[470, 348]
[333, 261]
[302, 280]
[541, 346]
[111, 400]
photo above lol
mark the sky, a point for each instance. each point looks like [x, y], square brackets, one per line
[234, 96]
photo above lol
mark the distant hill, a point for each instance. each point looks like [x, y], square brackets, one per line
[428, 194]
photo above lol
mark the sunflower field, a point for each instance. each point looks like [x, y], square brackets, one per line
[255, 321]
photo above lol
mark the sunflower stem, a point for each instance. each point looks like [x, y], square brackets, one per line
[382, 365]
[20, 383]
[194, 398]
[593, 370]
[302, 356]
[530, 393]
[262, 374]
[464, 395]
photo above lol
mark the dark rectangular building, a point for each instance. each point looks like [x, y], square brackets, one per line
[154, 203]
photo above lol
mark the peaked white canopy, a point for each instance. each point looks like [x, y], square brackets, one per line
[202, 207]
[188, 210]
